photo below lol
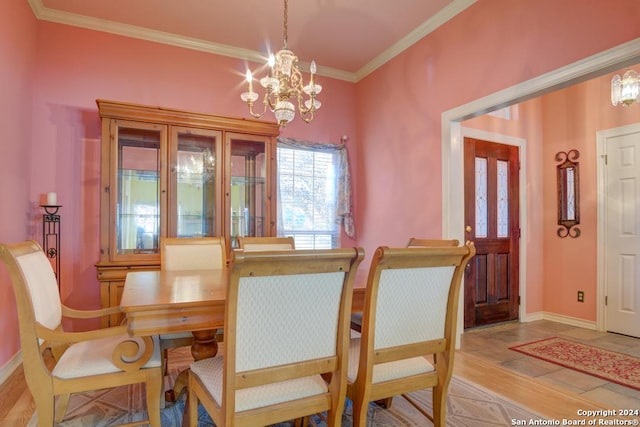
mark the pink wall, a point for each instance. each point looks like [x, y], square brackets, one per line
[53, 74]
[571, 119]
[492, 45]
[17, 66]
[465, 59]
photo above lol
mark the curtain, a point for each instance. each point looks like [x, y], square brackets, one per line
[344, 205]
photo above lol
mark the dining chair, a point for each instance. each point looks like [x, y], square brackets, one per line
[84, 361]
[410, 316]
[266, 243]
[188, 253]
[281, 362]
[356, 318]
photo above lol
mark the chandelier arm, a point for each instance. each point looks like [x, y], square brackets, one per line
[309, 113]
[302, 108]
[256, 115]
[270, 100]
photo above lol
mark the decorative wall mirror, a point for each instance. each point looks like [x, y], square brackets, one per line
[568, 193]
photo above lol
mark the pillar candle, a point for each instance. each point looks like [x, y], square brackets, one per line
[52, 199]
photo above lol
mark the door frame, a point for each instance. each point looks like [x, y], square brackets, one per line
[521, 143]
[451, 133]
[601, 289]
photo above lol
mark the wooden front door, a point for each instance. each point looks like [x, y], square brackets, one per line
[492, 223]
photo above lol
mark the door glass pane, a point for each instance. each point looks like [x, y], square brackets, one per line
[248, 189]
[503, 198]
[138, 192]
[195, 189]
[481, 197]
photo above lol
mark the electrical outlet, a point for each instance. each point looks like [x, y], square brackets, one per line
[580, 296]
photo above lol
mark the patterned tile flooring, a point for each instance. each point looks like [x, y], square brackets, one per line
[492, 344]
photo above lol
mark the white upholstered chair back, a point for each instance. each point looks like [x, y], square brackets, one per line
[356, 318]
[411, 305]
[192, 253]
[287, 318]
[42, 288]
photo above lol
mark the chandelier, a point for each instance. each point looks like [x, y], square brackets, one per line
[284, 84]
[625, 90]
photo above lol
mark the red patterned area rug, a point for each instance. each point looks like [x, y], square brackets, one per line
[618, 368]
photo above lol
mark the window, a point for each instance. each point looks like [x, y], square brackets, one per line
[307, 182]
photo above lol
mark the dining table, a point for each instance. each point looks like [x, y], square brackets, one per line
[162, 302]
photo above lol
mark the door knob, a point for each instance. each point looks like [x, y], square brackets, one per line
[468, 229]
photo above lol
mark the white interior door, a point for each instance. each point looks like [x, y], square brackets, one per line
[622, 230]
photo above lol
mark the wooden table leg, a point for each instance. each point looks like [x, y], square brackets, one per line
[204, 344]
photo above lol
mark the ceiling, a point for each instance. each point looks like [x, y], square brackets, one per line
[347, 38]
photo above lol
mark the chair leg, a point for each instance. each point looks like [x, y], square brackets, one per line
[45, 410]
[154, 388]
[192, 401]
[439, 406]
[360, 413]
[385, 403]
[164, 364]
[165, 361]
[61, 407]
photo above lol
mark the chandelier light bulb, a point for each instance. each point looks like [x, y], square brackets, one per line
[251, 96]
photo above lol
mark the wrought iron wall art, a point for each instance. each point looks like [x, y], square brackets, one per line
[51, 235]
[568, 193]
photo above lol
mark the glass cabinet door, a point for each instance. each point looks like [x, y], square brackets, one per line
[195, 182]
[137, 188]
[247, 177]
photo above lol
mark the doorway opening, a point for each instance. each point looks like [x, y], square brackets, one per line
[452, 135]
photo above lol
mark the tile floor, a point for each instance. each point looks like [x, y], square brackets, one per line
[492, 344]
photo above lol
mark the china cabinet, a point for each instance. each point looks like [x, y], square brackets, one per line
[176, 173]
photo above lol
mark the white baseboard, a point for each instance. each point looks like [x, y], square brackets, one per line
[10, 367]
[560, 318]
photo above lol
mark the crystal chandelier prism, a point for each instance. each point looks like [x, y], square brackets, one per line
[625, 90]
[284, 87]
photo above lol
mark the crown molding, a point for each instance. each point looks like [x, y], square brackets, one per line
[46, 14]
[414, 36]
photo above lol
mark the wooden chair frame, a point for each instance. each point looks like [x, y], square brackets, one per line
[442, 350]
[35, 338]
[269, 243]
[415, 242]
[332, 368]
